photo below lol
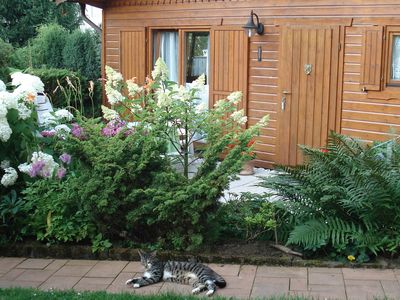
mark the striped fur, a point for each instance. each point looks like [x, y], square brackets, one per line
[200, 276]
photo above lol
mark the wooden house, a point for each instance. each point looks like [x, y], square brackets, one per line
[319, 65]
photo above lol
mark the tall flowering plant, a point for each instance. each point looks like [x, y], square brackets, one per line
[177, 114]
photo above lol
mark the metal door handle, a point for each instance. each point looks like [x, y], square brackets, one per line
[286, 92]
[283, 102]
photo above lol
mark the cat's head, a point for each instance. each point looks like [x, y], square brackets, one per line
[148, 258]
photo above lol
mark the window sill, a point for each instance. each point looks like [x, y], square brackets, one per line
[389, 93]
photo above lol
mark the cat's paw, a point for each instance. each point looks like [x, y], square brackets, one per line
[136, 285]
[131, 281]
[210, 293]
[196, 291]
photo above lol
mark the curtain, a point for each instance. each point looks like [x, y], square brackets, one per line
[169, 53]
[396, 58]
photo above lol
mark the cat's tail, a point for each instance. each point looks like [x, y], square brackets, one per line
[219, 281]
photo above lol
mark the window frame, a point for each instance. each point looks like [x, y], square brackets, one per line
[391, 31]
[181, 46]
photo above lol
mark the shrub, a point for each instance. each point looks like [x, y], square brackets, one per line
[6, 51]
[81, 54]
[345, 199]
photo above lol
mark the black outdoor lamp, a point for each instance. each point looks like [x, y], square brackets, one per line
[250, 26]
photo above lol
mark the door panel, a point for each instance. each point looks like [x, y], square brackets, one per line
[307, 89]
[133, 54]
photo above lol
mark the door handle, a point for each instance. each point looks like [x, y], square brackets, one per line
[283, 100]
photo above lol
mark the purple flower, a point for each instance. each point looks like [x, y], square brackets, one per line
[36, 167]
[65, 158]
[113, 128]
[77, 131]
[61, 173]
[48, 133]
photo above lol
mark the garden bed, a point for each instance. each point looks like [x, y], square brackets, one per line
[257, 253]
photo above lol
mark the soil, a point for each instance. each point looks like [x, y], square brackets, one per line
[238, 252]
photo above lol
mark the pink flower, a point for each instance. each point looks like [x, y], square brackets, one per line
[65, 158]
[48, 133]
[36, 167]
[113, 128]
[77, 131]
[61, 173]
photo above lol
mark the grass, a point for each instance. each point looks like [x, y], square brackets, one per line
[23, 293]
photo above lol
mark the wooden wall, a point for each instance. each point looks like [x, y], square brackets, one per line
[358, 115]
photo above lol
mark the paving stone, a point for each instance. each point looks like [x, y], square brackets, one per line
[325, 279]
[13, 283]
[325, 270]
[107, 269]
[123, 277]
[81, 262]
[182, 289]
[56, 264]
[134, 267]
[298, 284]
[7, 263]
[35, 275]
[368, 274]
[35, 263]
[60, 283]
[73, 271]
[266, 287]
[288, 272]
[12, 274]
[239, 282]
[391, 288]
[247, 271]
[147, 290]
[328, 291]
[93, 284]
[363, 289]
[224, 269]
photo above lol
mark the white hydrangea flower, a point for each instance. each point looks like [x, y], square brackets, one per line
[5, 130]
[2, 86]
[63, 128]
[113, 95]
[8, 99]
[164, 99]
[219, 103]
[63, 114]
[5, 164]
[3, 110]
[48, 119]
[24, 112]
[198, 84]
[10, 177]
[235, 97]
[25, 168]
[136, 108]
[133, 88]
[113, 77]
[182, 93]
[202, 107]
[28, 81]
[160, 70]
[109, 114]
[239, 117]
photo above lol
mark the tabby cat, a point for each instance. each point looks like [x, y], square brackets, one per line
[198, 275]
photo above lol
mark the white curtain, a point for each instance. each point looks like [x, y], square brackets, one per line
[396, 58]
[169, 53]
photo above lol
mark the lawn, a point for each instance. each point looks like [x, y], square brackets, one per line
[19, 293]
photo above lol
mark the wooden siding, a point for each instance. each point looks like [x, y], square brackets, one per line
[356, 112]
[132, 58]
[363, 116]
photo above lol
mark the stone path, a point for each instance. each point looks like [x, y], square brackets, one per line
[244, 281]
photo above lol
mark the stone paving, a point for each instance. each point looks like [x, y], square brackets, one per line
[244, 281]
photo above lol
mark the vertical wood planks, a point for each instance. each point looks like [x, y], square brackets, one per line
[133, 54]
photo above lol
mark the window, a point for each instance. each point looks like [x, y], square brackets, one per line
[185, 52]
[395, 60]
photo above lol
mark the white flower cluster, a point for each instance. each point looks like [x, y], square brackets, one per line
[114, 80]
[164, 98]
[27, 87]
[235, 97]
[239, 117]
[133, 88]
[109, 114]
[47, 168]
[10, 177]
[160, 70]
[55, 120]
[63, 115]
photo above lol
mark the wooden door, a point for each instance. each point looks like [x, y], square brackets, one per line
[229, 61]
[307, 89]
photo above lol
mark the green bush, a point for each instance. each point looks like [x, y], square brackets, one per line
[345, 199]
[81, 53]
[6, 51]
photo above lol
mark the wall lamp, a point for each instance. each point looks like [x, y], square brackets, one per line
[250, 27]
